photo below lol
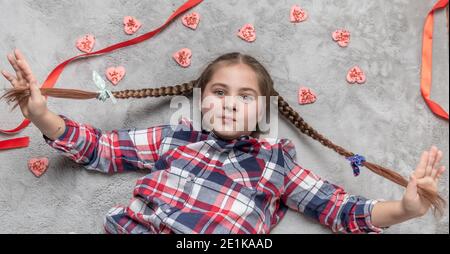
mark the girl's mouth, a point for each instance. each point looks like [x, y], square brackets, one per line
[228, 119]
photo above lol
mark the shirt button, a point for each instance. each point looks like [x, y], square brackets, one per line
[189, 178]
[167, 210]
[207, 155]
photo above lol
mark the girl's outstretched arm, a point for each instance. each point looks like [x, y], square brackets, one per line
[426, 175]
[108, 151]
[343, 212]
[50, 124]
[328, 204]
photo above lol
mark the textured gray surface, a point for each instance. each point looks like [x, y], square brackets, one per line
[385, 119]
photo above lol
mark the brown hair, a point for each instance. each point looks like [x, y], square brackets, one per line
[16, 95]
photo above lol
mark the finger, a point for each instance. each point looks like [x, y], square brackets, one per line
[23, 65]
[431, 158]
[437, 160]
[425, 182]
[411, 188]
[27, 73]
[18, 54]
[420, 169]
[440, 172]
[8, 77]
[434, 173]
[16, 68]
[35, 91]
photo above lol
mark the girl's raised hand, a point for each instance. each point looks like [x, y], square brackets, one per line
[36, 105]
[426, 175]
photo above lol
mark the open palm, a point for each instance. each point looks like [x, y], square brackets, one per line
[426, 175]
[36, 104]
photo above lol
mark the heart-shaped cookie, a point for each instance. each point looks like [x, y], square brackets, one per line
[191, 20]
[356, 75]
[115, 74]
[86, 43]
[38, 166]
[298, 14]
[342, 37]
[183, 57]
[131, 25]
[306, 95]
[247, 33]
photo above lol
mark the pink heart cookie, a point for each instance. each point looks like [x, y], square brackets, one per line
[298, 14]
[115, 74]
[306, 95]
[356, 75]
[342, 37]
[247, 33]
[131, 25]
[191, 20]
[183, 57]
[38, 166]
[86, 43]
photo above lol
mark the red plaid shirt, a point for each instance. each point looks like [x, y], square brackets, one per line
[199, 183]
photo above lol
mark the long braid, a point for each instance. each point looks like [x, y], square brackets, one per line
[18, 94]
[183, 89]
[290, 114]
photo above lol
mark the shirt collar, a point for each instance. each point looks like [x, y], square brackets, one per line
[213, 135]
[242, 140]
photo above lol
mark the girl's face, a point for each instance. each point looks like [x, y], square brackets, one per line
[230, 102]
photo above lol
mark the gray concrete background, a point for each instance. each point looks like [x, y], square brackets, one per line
[385, 119]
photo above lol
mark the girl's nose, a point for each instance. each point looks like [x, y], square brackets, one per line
[230, 103]
[230, 107]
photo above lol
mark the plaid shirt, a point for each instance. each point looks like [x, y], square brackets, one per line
[199, 183]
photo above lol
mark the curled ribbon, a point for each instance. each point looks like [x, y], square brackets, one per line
[356, 161]
[103, 93]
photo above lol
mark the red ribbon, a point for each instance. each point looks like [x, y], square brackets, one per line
[427, 59]
[54, 75]
[14, 143]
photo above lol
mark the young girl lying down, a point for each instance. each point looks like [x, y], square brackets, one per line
[223, 177]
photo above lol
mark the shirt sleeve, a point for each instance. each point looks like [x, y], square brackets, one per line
[325, 202]
[110, 151]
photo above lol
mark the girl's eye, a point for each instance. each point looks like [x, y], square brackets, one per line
[247, 98]
[219, 92]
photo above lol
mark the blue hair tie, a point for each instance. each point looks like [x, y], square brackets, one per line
[356, 161]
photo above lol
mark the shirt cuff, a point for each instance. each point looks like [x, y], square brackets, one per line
[65, 141]
[364, 217]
